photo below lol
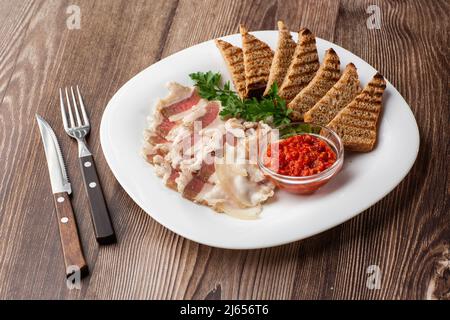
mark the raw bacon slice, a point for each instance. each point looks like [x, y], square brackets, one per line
[171, 180]
[179, 100]
[163, 129]
[212, 111]
[181, 106]
[193, 188]
[186, 138]
[206, 171]
[157, 140]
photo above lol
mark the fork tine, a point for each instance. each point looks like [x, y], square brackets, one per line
[63, 110]
[83, 110]
[72, 122]
[75, 105]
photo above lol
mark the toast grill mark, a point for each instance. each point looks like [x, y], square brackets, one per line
[283, 57]
[234, 58]
[327, 75]
[304, 65]
[257, 62]
[341, 94]
[357, 123]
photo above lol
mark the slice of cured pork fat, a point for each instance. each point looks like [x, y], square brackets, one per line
[179, 100]
[184, 142]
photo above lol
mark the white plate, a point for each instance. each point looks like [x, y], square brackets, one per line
[364, 180]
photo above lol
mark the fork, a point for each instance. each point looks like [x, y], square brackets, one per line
[78, 129]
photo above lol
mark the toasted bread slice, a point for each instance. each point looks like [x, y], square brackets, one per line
[234, 58]
[303, 67]
[357, 123]
[282, 58]
[257, 61]
[340, 95]
[327, 75]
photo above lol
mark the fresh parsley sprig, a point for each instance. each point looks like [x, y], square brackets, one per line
[270, 108]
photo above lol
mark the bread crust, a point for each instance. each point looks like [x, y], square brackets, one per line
[327, 75]
[257, 62]
[234, 58]
[303, 67]
[339, 96]
[357, 123]
[282, 58]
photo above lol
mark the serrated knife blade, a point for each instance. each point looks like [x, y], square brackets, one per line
[55, 161]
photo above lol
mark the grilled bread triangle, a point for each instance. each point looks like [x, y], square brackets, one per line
[257, 61]
[340, 95]
[357, 123]
[234, 58]
[325, 78]
[282, 58]
[303, 67]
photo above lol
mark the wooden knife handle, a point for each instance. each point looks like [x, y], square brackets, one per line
[104, 231]
[70, 241]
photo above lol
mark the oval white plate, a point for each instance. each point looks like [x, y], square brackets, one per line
[364, 180]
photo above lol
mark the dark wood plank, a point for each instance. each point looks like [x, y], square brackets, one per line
[256, 15]
[406, 234]
[14, 21]
[53, 56]
[261, 273]
[206, 269]
[401, 231]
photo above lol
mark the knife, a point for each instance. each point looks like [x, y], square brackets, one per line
[70, 240]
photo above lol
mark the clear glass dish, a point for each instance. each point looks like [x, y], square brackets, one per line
[305, 184]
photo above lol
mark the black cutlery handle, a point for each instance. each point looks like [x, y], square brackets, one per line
[104, 231]
[68, 232]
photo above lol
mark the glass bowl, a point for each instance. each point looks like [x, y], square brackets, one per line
[305, 184]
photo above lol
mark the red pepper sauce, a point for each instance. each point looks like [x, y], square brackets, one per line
[299, 156]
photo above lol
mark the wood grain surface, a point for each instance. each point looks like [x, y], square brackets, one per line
[406, 234]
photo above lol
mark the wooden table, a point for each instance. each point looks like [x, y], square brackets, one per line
[407, 234]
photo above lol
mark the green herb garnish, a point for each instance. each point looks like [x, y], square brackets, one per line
[270, 109]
